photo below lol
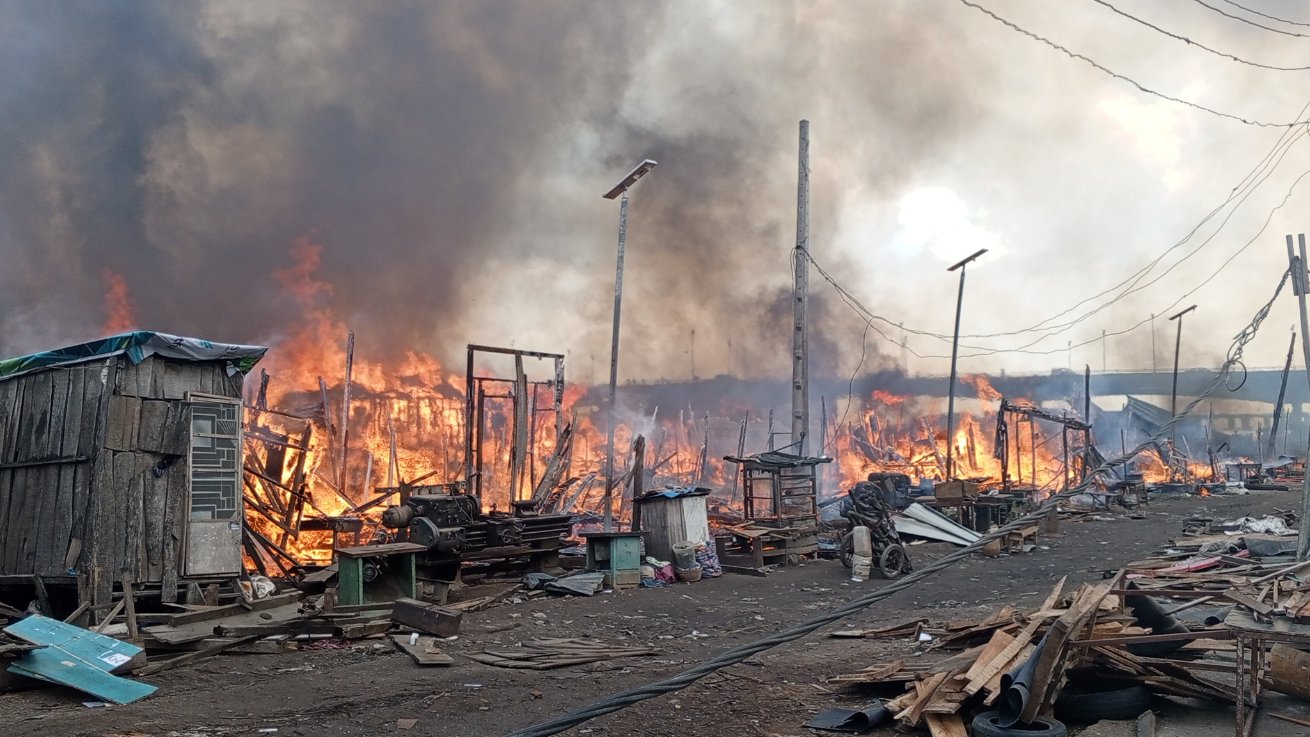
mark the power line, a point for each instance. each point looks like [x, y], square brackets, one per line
[1096, 65]
[1133, 282]
[740, 653]
[1253, 11]
[1198, 44]
[1249, 22]
[1027, 349]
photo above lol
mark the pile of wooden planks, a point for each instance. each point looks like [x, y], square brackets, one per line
[1088, 629]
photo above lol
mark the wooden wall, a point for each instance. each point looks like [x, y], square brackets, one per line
[93, 471]
[50, 424]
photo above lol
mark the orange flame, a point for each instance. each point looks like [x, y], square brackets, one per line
[120, 317]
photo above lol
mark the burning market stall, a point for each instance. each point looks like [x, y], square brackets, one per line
[120, 465]
[780, 498]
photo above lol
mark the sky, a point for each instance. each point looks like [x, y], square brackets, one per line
[446, 161]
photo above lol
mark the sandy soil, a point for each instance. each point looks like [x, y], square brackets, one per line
[367, 689]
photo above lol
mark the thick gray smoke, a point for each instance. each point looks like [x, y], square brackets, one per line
[449, 159]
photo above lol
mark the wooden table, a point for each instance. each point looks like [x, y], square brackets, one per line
[1253, 639]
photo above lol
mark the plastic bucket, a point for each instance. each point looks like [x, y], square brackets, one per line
[684, 554]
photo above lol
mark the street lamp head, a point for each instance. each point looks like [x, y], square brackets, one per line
[961, 264]
[1184, 312]
[626, 183]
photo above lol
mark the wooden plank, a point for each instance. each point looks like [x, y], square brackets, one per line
[34, 434]
[53, 540]
[145, 377]
[155, 496]
[431, 618]
[100, 532]
[176, 504]
[1259, 607]
[924, 691]
[124, 423]
[946, 725]
[22, 519]
[998, 663]
[95, 391]
[191, 657]
[150, 428]
[174, 381]
[423, 651]
[1057, 645]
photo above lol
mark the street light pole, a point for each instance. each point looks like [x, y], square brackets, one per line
[1173, 397]
[619, 190]
[955, 353]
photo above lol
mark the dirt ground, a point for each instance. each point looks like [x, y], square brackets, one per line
[369, 688]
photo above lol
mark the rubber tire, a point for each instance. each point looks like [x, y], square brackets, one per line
[894, 561]
[985, 726]
[847, 549]
[1123, 703]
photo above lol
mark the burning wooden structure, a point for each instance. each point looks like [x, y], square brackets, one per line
[120, 464]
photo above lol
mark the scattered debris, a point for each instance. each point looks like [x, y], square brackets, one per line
[556, 653]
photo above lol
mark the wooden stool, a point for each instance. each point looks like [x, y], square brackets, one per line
[1014, 542]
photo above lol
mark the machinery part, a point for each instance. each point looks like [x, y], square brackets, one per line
[424, 531]
[986, 725]
[1123, 703]
[505, 531]
[397, 518]
[893, 561]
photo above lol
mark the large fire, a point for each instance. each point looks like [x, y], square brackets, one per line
[325, 438]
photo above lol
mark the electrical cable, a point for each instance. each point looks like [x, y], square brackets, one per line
[1198, 44]
[736, 655]
[1096, 65]
[1220, 11]
[1253, 11]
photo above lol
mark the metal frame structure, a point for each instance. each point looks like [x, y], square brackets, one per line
[523, 395]
[1032, 413]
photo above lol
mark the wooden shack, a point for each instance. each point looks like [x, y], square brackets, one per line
[121, 459]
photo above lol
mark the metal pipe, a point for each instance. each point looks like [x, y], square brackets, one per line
[955, 354]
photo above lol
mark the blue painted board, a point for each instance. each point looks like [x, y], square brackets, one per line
[78, 658]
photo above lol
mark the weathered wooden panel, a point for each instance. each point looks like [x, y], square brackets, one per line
[34, 421]
[118, 496]
[95, 393]
[71, 425]
[177, 379]
[124, 419]
[150, 429]
[12, 432]
[175, 515]
[21, 514]
[156, 497]
[10, 391]
[59, 389]
[145, 377]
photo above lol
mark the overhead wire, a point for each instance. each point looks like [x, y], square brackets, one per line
[1105, 70]
[1134, 282]
[1253, 11]
[869, 316]
[1198, 44]
[740, 653]
[1249, 22]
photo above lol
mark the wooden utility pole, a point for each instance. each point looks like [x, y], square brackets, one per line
[1296, 261]
[800, 379]
[1282, 392]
